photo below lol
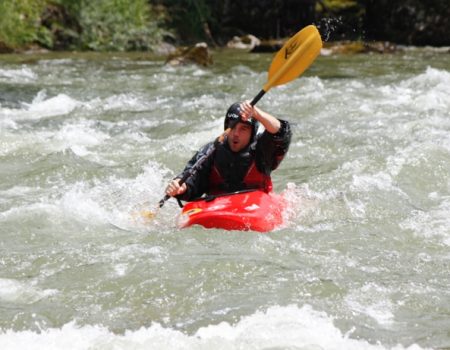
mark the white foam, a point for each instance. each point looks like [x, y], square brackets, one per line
[297, 202]
[78, 203]
[81, 137]
[128, 102]
[54, 106]
[288, 327]
[21, 292]
[432, 78]
[366, 182]
[356, 207]
[58, 62]
[78, 137]
[429, 91]
[42, 107]
[122, 202]
[27, 209]
[7, 123]
[14, 142]
[21, 75]
[18, 191]
[311, 211]
[372, 300]
[117, 201]
[434, 222]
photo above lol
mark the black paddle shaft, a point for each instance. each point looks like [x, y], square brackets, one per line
[257, 97]
[193, 169]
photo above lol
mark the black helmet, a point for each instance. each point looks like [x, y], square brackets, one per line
[233, 116]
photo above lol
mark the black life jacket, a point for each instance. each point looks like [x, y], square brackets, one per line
[232, 172]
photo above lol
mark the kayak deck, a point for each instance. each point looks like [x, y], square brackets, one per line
[253, 210]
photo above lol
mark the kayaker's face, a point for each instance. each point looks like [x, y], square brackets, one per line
[239, 137]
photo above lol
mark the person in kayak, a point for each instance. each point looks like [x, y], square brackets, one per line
[244, 160]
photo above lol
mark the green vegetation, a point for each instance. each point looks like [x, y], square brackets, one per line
[20, 23]
[79, 24]
[336, 5]
[192, 18]
[118, 25]
[125, 25]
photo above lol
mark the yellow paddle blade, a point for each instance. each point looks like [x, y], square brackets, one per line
[147, 214]
[294, 57]
[144, 215]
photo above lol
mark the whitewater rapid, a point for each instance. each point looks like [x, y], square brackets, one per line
[87, 143]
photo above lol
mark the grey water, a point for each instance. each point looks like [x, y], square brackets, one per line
[89, 141]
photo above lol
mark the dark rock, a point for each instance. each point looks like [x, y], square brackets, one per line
[164, 49]
[4, 48]
[356, 47]
[269, 46]
[245, 42]
[198, 54]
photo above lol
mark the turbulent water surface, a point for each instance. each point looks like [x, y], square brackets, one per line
[87, 142]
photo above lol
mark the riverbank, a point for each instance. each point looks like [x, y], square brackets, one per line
[345, 48]
[141, 25]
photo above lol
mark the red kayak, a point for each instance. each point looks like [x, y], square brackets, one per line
[253, 210]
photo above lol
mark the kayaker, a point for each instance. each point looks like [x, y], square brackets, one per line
[244, 160]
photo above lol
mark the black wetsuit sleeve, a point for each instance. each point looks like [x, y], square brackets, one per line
[198, 180]
[271, 148]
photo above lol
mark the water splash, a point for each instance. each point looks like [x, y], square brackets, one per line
[289, 327]
[327, 26]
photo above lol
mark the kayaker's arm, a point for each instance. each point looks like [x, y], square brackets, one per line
[196, 184]
[271, 148]
[270, 123]
[273, 143]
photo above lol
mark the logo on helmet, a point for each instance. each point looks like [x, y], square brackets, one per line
[233, 116]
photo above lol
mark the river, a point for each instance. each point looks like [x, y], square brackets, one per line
[89, 141]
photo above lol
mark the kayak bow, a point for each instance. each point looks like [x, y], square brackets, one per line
[253, 210]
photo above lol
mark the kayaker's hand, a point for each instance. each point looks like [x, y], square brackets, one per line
[174, 188]
[270, 123]
[248, 111]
